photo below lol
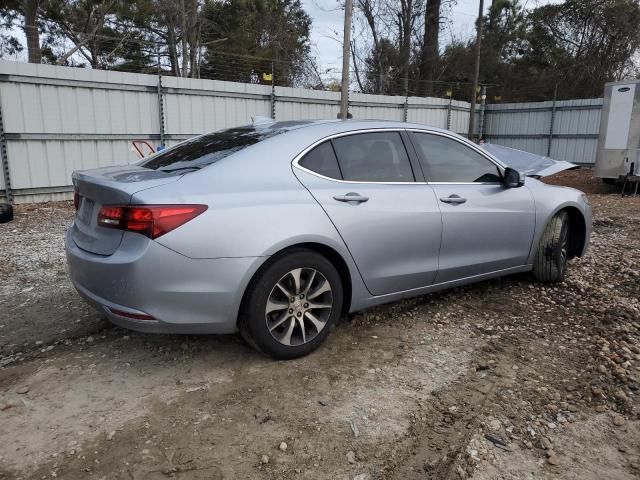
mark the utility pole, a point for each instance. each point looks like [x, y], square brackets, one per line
[344, 98]
[476, 76]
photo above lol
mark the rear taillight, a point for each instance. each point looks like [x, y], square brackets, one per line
[76, 200]
[151, 221]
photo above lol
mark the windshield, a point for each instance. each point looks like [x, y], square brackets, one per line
[204, 150]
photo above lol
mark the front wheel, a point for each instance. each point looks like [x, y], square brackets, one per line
[292, 304]
[550, 264]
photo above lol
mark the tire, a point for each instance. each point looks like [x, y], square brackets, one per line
[6, 212]
[290, 326]
[550, 264]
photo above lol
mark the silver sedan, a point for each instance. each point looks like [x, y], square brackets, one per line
[277, 229]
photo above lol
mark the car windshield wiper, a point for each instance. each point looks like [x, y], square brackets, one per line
[170, 170]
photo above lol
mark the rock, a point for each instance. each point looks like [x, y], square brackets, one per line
[621, 396]
[351, 457]
[601, 409]
[602, 369]
[23, 390]
[494, 425]
[618, 420]
[110, 435]
[545, 443]
[553, 460]
[283, 446]
[596, 392]
[362, 476]
[264, 459]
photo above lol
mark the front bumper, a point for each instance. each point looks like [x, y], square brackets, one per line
[182, 294]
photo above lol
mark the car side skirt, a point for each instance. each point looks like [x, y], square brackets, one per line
[359, 304]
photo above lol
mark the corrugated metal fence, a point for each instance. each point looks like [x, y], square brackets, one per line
[565, 130]
[55, 120]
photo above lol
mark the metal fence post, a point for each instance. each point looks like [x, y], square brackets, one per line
[553, 120]
[5, 161]
[273, 93]
[406, 108]
[160, 104]
[483, 105]
[449, 109]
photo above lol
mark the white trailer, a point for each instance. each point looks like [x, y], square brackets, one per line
[619, 141]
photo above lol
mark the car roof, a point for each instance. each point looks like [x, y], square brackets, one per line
[340, 126]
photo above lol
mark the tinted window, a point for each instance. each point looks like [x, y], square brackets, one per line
[447, 160]
[206, 149]
[373, 157]
[322, 160]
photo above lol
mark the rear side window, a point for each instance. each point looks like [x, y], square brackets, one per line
[447, 160]
[322, 160]
[204, 150]
[373, 157]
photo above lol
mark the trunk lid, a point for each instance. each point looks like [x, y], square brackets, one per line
[108, 186]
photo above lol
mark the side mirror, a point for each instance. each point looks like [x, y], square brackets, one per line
[512, 178]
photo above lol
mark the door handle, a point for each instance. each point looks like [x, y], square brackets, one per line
[453, 199]
[351, 197]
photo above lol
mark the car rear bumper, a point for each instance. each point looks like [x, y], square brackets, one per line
[183, 295]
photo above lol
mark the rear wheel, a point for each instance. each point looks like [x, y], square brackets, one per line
[550, 264]
[291, 305]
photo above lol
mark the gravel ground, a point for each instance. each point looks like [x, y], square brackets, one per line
[506, 379]
[39, 304]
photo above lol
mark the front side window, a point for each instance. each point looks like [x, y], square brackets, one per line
[373, 157]
[447, 160]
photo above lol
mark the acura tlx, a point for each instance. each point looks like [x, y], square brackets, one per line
[278, 229]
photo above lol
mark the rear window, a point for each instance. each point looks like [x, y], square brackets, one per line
[204, 150]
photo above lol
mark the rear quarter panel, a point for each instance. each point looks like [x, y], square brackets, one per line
[256, 208]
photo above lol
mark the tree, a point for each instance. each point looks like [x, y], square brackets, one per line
[383, 72]
[243, 38]
[430, 47]
[389, 27]
[28, 9]
[580, 45]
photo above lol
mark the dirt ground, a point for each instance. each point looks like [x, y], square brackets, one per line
[506, 379]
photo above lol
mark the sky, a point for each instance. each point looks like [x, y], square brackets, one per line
[327, 27]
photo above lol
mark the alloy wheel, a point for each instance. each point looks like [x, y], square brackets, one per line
[299, 306]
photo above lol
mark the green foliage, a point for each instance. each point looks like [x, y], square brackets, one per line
[244, 37]
[224, 39]
[578, 45]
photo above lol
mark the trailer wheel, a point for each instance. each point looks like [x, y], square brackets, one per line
[6, 212]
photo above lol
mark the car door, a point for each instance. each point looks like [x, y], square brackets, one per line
[390, 223]
[486, 227]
